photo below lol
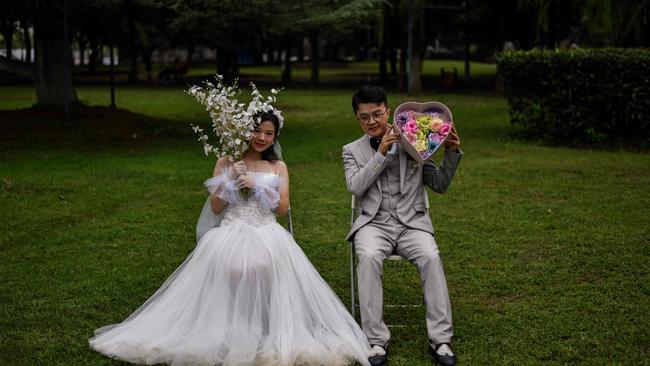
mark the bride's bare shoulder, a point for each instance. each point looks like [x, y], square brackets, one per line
[279, 167]
[278, 163]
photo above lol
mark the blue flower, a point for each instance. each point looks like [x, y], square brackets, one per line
[433, 144]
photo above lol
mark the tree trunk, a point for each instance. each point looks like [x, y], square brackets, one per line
[301, 49]
[414, 55]
[328, 51]
[133, 54]
[92, 58]
[111, 71]
[82, 50]
[403, 75]
[7, 33]
[51, 79]
[332, 52]
[234, 63]
[466, 39]
[28, 41]
[552, 26]
[258, 58]
[415, 73]
[274, 56]
[146, 57]
[402, 46]
[382, 38]
[383, 71]
[467, 69]
[315, 56]
[227, 63]
[390, 23]
[286, 63]
[190, 53]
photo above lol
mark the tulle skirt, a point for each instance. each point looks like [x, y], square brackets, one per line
[247, 295]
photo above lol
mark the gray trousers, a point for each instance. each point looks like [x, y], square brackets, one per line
[374, 243]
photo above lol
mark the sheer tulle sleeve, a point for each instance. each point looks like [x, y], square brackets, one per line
[223, 187]
[268, 197]
[267, 191]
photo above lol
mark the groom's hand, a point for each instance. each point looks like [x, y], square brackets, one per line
[387, 140]
[453, 140]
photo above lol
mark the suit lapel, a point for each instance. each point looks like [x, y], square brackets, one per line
[402, 168]
[366, 150]
[366, 153]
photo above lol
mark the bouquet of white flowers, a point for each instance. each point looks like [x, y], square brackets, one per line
[233, 122]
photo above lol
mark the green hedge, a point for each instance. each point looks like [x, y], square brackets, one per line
[580, 96]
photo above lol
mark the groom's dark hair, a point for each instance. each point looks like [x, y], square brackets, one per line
[369, 94]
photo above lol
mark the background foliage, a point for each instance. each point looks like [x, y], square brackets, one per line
[580, 96]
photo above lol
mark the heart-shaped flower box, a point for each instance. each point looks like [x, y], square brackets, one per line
[423, 127]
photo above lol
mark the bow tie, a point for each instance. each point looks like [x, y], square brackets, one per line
[374, 143]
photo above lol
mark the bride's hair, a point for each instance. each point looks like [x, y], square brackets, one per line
[269, 154]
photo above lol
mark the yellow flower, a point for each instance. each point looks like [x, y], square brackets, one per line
[436, 123]
[424, 122]
[422, 135]
[421, 145]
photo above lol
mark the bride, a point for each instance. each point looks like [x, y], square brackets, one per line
[247, 294]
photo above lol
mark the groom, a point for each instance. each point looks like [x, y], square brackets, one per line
[389, 188]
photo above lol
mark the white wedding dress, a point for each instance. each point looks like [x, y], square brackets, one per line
[246, 295]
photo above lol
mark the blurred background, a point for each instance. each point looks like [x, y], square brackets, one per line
[407, 45]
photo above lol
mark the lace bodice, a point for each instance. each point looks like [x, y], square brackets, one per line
[249, 212]
[258, 208]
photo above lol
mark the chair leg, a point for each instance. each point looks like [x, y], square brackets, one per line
[353, 281]
[290, 221]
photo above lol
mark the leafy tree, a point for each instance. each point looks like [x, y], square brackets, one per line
[7, 27]
[335, 21]
[227, 25]
[615, 23]
[256, 25]
[51, 70]
[547, 24]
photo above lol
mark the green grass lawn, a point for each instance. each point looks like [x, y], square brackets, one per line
[545, 249]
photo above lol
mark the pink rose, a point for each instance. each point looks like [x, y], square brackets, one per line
[411, 126]
[444, 130]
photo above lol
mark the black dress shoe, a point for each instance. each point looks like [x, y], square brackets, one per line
[446, 358]
[378, 358]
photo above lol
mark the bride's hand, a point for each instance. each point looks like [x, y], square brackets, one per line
[239, 168]
[244, 181]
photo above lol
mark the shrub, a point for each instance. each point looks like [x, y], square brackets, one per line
[579, 96]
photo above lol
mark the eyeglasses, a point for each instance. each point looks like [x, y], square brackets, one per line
[377, 115]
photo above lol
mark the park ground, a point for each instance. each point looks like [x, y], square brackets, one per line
[545, 248]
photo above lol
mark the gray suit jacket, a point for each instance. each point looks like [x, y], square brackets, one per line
[362, 169]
